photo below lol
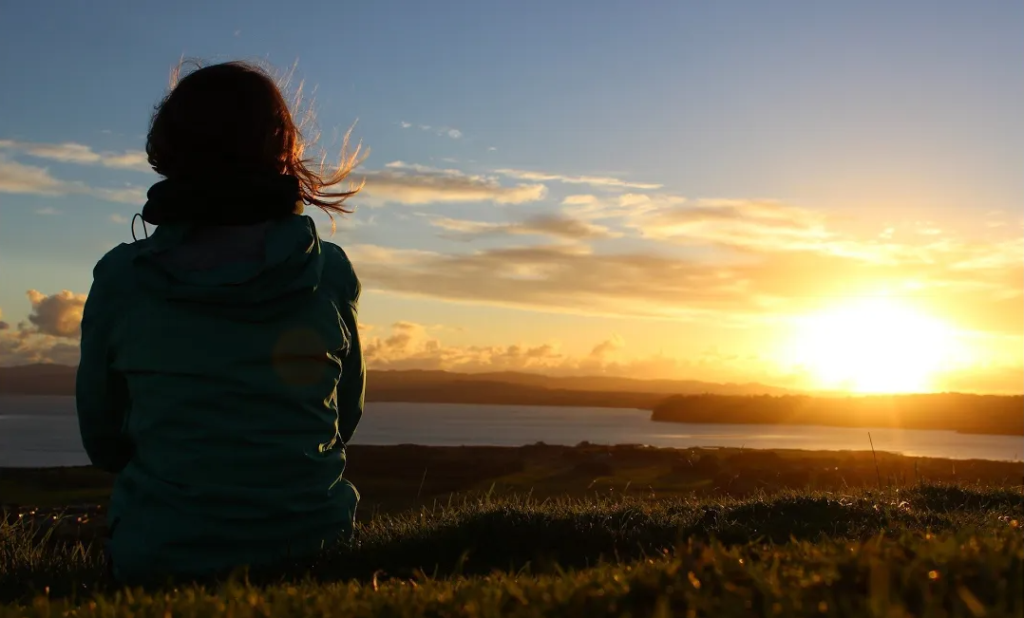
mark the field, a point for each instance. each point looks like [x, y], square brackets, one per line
[586, 531]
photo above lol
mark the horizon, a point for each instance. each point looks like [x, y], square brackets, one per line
[821, 200]
[771, 390]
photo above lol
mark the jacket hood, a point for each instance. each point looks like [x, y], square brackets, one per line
[251, 272]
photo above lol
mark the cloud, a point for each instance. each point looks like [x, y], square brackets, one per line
[626, 207]
[124, 195]
[408, 345]
[746, 224]
[753, 228]
[50, 334]
[555, 278]
[47, 211]
[411, 346]
[20, 178]
[556, 226]
[416, 185]
[449, 132]
[974, 286]
[17, 348]
[607, 347]
[59, 315]
[594, 181]
[118, 219]
[71, 152]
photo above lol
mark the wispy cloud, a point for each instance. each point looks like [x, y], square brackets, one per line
[745, 224]
[25, 179]
[555, 226]
[976, 285]
[594, 181]
[763, 227]
[411, 184]
[440, 131]
[70, 152]
[20, 178]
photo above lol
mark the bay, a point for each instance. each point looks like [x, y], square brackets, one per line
[43, 432]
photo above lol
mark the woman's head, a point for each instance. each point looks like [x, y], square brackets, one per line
[231, 120]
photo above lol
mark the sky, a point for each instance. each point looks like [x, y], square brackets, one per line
[813, 195]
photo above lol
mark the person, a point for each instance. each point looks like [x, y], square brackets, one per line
[221, 375]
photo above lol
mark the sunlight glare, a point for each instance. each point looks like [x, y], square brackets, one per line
[874, 346]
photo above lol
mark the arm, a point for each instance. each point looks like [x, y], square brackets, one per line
[101, 393]
[352, 387]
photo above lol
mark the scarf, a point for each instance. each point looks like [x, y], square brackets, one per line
[233, 200]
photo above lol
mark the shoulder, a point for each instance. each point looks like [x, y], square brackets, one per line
[339, 270]
[114, 261]
[112, 268]
[110, 279]
[112, 275]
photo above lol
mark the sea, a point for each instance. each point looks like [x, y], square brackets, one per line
[43, 432]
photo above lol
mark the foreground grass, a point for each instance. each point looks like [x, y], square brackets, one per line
[935, 550]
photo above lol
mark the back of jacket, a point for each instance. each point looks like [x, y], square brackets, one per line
[221, 377]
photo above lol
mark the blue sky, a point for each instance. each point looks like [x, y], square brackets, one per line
[854, 117]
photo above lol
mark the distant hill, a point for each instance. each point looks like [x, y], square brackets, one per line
[43, 379]
[400, 380]
[682, 401]
[447, 387]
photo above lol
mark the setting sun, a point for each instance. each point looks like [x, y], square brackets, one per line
[873, 346]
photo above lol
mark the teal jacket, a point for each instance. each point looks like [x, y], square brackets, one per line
[221, 379]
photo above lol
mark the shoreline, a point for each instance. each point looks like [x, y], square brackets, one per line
[710, 450]
[407, 462]
[71, 501]
[655, 406]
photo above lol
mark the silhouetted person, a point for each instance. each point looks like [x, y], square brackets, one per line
[221, 375]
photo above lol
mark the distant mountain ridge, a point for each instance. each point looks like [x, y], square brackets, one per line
[426, 386]
[680, 401]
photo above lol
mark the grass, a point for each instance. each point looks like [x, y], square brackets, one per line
[394, 479]
[942, 550]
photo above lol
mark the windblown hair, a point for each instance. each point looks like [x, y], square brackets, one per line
[231, 120]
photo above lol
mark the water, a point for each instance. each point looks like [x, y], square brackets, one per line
[43, 431]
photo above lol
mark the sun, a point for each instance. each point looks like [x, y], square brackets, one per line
[873, 346]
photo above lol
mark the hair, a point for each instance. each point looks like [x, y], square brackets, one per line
[230, 119]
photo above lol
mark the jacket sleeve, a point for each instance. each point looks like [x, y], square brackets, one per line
[101, 393]
[352, 387]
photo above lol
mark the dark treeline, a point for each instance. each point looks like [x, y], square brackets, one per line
[991, 414]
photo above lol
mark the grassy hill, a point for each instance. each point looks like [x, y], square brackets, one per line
[589, 531]
[937, 551]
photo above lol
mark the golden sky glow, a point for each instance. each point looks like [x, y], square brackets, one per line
[823, 199]
[875, 346]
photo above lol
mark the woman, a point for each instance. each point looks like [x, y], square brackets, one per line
[221, 375]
